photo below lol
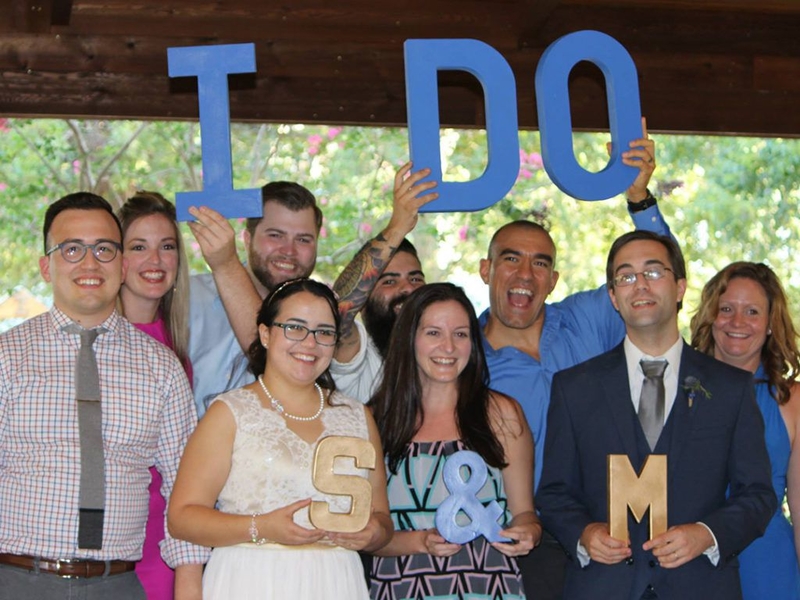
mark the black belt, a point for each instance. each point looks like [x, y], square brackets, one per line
[69, 567]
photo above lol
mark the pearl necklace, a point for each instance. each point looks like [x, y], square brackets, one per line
[278, 407]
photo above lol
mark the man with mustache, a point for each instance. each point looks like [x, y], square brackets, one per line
[384, 272]
[527, 340]
[403, 274]
[281, 245]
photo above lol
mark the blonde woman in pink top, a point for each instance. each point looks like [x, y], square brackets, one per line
[155, 298]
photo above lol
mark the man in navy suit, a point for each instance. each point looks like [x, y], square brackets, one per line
[718, 473]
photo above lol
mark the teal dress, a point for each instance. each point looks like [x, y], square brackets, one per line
[768, 566]
[478, 571]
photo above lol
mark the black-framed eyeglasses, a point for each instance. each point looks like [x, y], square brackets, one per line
[653, 273]
[74, 251]
[297, 333]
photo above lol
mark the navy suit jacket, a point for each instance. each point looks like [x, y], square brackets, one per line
[718, 473]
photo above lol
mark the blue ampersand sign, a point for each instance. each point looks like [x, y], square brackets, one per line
[483, 521]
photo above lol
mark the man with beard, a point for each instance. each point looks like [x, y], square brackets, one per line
[526, 340]
[358, 360]
[381, 275]
[281, 245]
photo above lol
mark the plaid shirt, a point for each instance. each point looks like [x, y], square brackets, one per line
[148, 414]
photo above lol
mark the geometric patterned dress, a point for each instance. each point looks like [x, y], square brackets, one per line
[477, 571]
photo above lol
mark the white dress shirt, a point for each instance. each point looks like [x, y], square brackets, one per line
[633, 356]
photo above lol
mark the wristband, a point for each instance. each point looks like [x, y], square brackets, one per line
[649, 200]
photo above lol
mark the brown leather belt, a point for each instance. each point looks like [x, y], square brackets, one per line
[70, 567]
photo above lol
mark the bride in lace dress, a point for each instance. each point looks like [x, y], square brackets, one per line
[251, 458]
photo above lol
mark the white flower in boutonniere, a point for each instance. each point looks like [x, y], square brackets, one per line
[693, 387]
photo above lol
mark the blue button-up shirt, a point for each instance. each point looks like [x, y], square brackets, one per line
[576, 329]
[217, 359]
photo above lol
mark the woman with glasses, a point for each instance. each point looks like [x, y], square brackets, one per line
[433, 402]
[744, 320]
[245, 481]
[154, 297]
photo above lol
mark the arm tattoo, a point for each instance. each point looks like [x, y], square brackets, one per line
[359, 277]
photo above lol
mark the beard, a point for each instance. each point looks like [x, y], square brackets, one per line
[267, 279]
[379, 321]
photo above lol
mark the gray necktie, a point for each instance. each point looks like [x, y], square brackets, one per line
[651, 402]
[90, 426]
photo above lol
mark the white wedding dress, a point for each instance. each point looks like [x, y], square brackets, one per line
[271, 468]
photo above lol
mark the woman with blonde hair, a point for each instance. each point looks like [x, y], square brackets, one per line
[154, 297]
[744, 320]
[156, 288]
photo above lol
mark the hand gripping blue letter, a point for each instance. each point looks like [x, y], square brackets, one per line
[423, 58]
[555, 123]
[477, 519]
[212, 65]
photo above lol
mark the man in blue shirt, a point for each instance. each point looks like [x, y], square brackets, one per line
[527, 341]
[281, 245]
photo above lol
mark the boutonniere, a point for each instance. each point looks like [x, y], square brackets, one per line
[693, 387]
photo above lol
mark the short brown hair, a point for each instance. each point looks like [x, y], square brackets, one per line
[290, 195]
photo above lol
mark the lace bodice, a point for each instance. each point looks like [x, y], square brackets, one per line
[271, 465]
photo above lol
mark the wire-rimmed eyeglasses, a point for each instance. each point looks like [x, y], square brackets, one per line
[74, 251]
[653, 273]
[297, 333]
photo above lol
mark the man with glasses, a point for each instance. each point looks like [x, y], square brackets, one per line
[527, 340]
[88, 404]
[653, 394]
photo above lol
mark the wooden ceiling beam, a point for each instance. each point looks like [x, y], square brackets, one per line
[741, 6]
[662, 30]
[319, 21]
[704, 66]
[334, 101]
[61, 12]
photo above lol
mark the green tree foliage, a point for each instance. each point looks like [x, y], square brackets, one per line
[725, 198]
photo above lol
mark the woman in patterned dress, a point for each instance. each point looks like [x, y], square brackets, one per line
[434, 401]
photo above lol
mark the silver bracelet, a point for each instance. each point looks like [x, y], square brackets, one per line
[253, 531]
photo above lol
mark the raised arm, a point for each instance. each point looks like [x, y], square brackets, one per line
[239, 296]
[359, 277]
[642, 205]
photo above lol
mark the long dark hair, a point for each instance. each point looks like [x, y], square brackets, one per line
[397, 403]
[257, 354]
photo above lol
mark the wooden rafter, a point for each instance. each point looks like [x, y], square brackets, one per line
[722, 66]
